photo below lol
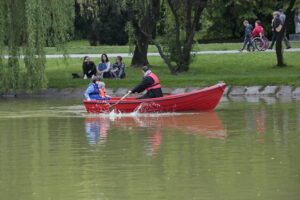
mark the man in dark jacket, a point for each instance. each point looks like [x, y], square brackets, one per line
[150, 83]
[282, 18]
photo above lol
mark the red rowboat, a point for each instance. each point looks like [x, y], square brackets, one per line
[201, 100]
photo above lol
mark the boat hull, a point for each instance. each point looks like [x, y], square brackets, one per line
[201, 100]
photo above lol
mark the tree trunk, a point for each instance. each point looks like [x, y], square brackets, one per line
[140, 52]
[161, 53]
[190, 33]
[146, 24]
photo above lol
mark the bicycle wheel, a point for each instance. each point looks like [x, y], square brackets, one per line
[259, 44]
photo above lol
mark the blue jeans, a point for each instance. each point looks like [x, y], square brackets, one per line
[247, 40]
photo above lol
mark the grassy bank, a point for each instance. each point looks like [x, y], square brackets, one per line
[83, 47]
[234, 69]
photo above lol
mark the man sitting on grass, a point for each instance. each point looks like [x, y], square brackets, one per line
[118, 69]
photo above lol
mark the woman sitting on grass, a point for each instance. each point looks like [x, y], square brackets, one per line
[104, 67]
[118, 69]
[88, 68]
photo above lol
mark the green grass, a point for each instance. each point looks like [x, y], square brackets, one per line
[234, 69]
[83, 47]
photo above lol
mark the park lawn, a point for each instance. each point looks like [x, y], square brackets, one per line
[234, 69]
[83, 47]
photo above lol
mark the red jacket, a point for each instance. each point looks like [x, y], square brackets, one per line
[257, 30]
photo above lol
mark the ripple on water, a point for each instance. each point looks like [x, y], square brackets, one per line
[76, 111]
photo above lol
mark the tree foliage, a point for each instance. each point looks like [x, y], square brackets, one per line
[27, 26]
[176, 44]
[223, 18]
[101, 21]
[143, 18]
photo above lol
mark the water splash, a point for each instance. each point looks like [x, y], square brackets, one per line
[79, 111]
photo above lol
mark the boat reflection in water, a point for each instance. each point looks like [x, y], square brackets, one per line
[201, 125]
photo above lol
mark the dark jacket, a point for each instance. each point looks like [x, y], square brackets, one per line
[89, 69]
[146, 83]
[248, 30]
[276, 22]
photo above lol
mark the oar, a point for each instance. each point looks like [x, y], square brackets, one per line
[112, 107]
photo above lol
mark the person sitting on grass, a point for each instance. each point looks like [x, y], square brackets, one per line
[118, 69]
[88, 68]
[104, 67]
[248, 36]
[92, 91]
[258, 31]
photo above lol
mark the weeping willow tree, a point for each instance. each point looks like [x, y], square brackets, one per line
[26, 28]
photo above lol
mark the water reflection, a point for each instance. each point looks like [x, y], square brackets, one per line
[245, 150]
[200, 125]
[96, 130]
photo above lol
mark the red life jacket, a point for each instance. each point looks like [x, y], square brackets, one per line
[156, 83]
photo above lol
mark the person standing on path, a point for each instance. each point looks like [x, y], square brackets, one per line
[276, 27]
[282, 18]
[248, 36]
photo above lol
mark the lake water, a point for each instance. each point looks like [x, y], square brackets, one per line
[246, 149]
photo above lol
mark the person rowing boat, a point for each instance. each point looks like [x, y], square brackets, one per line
[150, 83]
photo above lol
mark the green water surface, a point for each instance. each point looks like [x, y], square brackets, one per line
[52, 149]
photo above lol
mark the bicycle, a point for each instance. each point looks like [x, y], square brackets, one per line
[261, 44]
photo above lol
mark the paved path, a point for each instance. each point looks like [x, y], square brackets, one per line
[157, 54]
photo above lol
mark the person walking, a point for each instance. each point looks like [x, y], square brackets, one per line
[248, 36]
[282, 18]
[276, 27]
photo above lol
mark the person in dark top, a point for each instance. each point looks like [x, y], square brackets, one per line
[118, 69]
[248, 36]
[276, 27]
[88, 68]
[150, 83]
[282, 18]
